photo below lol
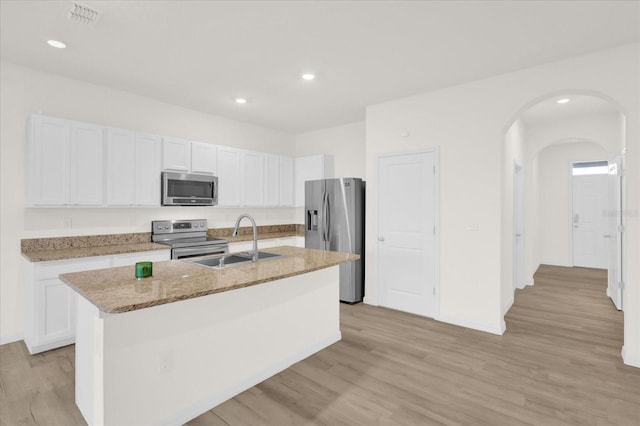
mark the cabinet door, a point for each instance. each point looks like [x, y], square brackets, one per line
[204, 158]
[148, 153]
[252, 178]
[176, 154]
[48, 161]
[58, 311]
[272, 180]
[120, 167]
[286, 181]
[87, 164]
[228, 176]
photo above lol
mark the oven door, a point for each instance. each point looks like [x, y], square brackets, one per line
[186, 252]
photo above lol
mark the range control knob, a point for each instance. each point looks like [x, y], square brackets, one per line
[202, 224]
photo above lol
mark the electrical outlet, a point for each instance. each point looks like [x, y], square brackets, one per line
[165, 362]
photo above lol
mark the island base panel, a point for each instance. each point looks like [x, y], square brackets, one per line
[171, 363]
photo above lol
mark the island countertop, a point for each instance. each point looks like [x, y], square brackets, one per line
[116, 290]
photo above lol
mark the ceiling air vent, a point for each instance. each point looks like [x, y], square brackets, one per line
[84, 14]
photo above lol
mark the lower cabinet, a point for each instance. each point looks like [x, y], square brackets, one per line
[50, 305]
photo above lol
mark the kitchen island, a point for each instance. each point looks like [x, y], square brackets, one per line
[165, 349]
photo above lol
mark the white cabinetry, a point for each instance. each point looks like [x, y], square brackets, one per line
[50, 305]
[147, 169]
[253, 184]
[272, 180]
[229, 177]
[176, 154]
[133, 168]
[86, 164]
[121, 163]
[204, 158]
[181, 155]
[311, 168]
[64, 163]
[48, 157]
[286, 181]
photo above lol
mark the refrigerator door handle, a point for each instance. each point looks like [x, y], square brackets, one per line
[324, 216]
[327, 218]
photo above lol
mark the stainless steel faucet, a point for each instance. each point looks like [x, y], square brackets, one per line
[254, 257]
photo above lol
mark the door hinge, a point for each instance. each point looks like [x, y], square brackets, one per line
[620, 228]
[621, 285]
[434, 291]
[434, 170]
[434, 230]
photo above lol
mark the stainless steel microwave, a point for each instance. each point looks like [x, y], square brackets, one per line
[189, 189]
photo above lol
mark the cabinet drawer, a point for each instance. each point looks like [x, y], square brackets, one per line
[48, 270]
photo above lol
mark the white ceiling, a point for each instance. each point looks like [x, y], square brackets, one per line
[579, 105]
[203, 54]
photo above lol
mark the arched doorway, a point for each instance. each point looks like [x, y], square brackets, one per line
[541, 142]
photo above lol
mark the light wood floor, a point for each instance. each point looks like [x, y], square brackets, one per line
[558, 363]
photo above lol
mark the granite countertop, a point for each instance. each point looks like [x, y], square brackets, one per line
[61, 248]
[116, 290]
[75, 253]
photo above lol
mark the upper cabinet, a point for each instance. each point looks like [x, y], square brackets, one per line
[287, 180]
[313, 167]
[181, 155]
[133, 168]
[79, 164]
[253, 178]
[121, 167]
[86, 164]
[147, 169]
[204, 158]
[65, 161]
[229, 177]
[272, 165]
[176, 154]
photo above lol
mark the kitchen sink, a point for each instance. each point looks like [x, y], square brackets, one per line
[232, 259]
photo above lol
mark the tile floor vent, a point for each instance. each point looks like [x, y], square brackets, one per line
[84, 14]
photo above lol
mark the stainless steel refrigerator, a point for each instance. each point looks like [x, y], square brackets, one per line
[334, 210]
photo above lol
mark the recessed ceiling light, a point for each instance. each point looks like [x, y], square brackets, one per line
[563, 100]
[241, 101]
[57, 44]
[308, 76]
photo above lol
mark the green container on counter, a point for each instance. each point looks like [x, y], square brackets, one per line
[144, 269]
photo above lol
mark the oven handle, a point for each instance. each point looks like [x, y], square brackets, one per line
[183, 252]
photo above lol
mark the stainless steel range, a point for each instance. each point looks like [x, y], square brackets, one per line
[187, 238]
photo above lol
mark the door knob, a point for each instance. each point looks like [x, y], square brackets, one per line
[607, 235]
[380, 238]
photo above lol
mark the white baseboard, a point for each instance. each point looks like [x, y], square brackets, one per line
[528, 282]
[370, 301]
[550, 263]
[499, 330]
[630, 359]
[10, 338]
[203, 406]
[507, 305]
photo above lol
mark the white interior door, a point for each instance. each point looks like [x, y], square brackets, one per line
[406, 233]
[614, 290]
[518, 227]
[589, 221]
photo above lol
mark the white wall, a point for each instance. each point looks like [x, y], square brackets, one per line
[554, 186]
[513, 154]
[24, 91]
[469, 123]
[346, 144]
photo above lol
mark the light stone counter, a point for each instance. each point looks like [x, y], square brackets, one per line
[116, 290]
